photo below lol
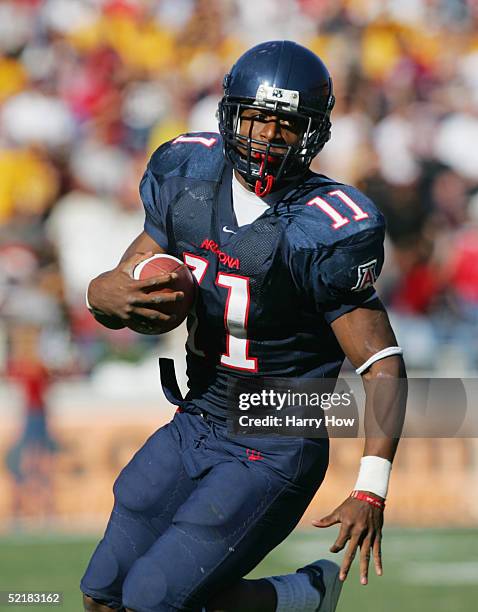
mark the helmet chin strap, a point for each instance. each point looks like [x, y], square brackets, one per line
[260, 189]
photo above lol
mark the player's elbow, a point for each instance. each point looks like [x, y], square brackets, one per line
[388, 368]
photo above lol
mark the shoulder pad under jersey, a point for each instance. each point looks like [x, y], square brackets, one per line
[336, 243]
[333, 213]
[196, 155]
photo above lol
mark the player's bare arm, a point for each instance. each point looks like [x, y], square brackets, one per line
[362, 334]
[117, 299]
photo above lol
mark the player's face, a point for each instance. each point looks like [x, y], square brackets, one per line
[266, 127]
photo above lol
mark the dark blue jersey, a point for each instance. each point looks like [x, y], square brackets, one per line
[268, 291]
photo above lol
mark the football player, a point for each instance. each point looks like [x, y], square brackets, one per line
[285, 260]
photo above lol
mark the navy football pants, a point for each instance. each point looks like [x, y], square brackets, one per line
[196, 509]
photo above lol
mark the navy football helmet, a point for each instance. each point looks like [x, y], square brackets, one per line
[285, 79]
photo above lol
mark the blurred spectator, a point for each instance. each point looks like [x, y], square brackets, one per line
[80, 225]
[259, 21]
[29, 460]
[24, 120]
[456, 143]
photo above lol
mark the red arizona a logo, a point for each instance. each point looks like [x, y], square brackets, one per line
[253, 455]
[367, 275]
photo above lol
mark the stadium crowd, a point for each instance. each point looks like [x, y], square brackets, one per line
[89, 88]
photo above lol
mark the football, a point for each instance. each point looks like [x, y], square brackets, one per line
[166, 264]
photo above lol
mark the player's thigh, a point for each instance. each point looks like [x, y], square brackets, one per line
[147, 494]
[239, 512]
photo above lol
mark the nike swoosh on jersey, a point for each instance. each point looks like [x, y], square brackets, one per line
[229, 231]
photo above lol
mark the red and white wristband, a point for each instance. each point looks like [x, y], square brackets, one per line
[370, 499]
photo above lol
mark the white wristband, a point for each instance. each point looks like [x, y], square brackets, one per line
[374, 475]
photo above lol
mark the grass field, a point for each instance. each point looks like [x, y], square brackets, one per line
[424, 570]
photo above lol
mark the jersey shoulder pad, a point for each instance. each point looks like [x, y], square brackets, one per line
[196, 155]
[333, 213]
[337, 240]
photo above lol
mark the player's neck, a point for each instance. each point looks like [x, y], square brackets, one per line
[242, 181]
[276, 192]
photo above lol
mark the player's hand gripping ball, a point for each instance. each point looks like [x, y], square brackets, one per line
[166, 264]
